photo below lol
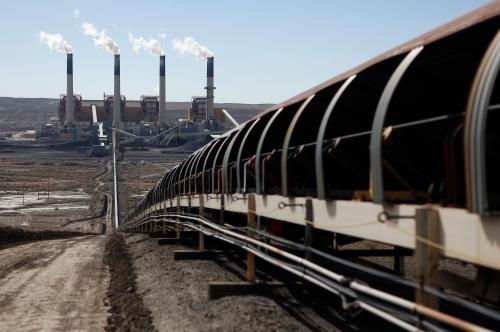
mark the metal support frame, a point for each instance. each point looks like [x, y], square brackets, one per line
[178, 226]
[251, 223]
[428, 229]
[320, 173]
[376, 170]
[194, 166]
[238, 159]
[182, 174]
[186, 173]
[258, 158]
[286, 145]
[201, 212]
[225, 161]
[218, 141]
[214, 164]
[200, 157]
[309, 229]
[475, 128]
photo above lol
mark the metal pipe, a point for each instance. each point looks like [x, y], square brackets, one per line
[400, 302]
[230, 118]
[310, 278]
[399, 323]
[115, 182]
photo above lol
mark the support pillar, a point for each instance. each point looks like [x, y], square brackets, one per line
[177, 226]
[201, 239]
[427, 256]
[251, 223]
[309, 228]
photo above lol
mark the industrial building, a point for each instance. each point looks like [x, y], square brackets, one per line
[143, 122]
[131, 111]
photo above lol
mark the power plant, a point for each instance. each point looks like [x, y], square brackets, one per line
[369, 201]
[139, 118]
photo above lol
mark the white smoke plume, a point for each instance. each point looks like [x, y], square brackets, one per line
[101, 39]
[152, 46]
[190, 46]
[55, 42]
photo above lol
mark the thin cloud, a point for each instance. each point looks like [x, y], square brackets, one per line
[76, 13]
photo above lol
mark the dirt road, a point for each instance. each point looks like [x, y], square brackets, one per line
[54, 285]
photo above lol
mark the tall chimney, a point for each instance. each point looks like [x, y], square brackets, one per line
[210, 88]
[70, 105]
[161, 112]
[117, 96]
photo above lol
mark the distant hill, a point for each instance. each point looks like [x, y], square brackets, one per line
[27, 112]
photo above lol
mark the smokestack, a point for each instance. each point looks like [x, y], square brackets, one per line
[117, 96]
[210, 88]
[70, 105]
[161, 113]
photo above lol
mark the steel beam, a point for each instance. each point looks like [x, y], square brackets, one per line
[475, 128]
[376, 170]
[320, 173]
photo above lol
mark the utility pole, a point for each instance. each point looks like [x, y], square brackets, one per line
[137, 197]
[114, 145]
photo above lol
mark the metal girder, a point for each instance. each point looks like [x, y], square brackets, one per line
[172, 181]
[221, 147]
[286, 145]
[320, 174]
[376, 171]
[225, 162]
[240, 151]
[187, 172]
[258, 186]
[203, 155]
[181, 177]
[217, 142]
[475, 128]
[194, 166]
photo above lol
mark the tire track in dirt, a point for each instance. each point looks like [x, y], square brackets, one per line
[59, 291]
[128, 312]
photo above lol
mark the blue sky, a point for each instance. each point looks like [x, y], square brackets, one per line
[265, 51]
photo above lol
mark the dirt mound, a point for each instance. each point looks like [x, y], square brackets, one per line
[12, 235]
[128, 312]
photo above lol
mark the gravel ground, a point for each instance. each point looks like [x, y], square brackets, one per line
[176, 292]
[465, 270]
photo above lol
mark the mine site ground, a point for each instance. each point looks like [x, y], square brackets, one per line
[62, 267]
